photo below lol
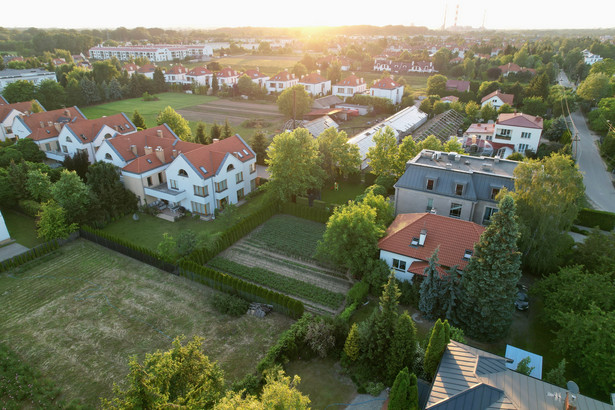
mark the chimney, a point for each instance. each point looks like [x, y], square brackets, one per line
[571, 401]
[159, 134]
[216, 140]
[42, 124]
[160, 154]
[422, 237]
[58, 126]
[66, 112]
[133, 149]
[496, 160]
[174, 153]
[49, 123]
[148, 150]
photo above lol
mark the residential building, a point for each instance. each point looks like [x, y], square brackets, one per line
[484, 131]
[403, 67]
[34, 75]
[130, 68]
[350, 86]
[468, 377]
[387, 88]
[157, 166]
[590, 58]
[257, 77]
[522, 131]
[153, 52]
[455, 185]
[147, 70]
[514, 68]
[176, 75]
[199, 75]
[449, 99]
[281, 81]
[382, 64]
[318, 125]
[457, 85]
[227, 76]
[401, 123]
[412, 238]
[8, 112]
[315, 84]
[498, 99]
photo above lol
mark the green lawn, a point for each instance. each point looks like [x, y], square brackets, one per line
[21, 227]
[78, 314]
[346, 191]
[269, 65]
[148, 109]
[148, 230]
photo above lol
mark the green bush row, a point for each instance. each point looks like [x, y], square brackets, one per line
[591, 218]
[307, 212]
[29, 207]
[358, 292]
[290, 344]
[32, 254]
[347, 313]
[280, 282]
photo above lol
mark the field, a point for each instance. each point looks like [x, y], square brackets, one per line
[270, 65]
[279, 256]
[79, 313]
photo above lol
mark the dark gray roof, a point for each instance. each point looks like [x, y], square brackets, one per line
[478, 397]
[489, 365]
[423, 388]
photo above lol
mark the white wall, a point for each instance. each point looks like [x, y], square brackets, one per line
[515, 137]
[4, 232]
[394, 95]
[399, 274]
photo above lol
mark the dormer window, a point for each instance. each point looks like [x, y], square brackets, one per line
[68, 139]
[467, 255]
[182, 173]
[431, 183]
[494, 193]
[415, 242]
[108, 156]
[459, 189]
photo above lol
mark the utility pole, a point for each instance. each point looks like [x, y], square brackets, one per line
[294, 108]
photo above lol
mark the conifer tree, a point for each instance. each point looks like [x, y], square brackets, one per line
[435, 349]
[403, 346]
[491, 276]
[450, 296]
[226, 130]
[215, 86]
[399, 396]
[201, 136]
[351, 347]
[413, 393]
[259, 146]
[215, 132]
[431, 287]
[138, 120]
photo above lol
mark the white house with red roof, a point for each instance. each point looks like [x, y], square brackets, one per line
[130, 68]
[257, 77]
[497, 99]
[147, 70]
[315, 84]
[281, 81]
[176, 75]
[522, 131]
[514, 69]
[199, 75]
[412, 238]
[350, 86]
[227, 76]
[8, 112]
[387, 88]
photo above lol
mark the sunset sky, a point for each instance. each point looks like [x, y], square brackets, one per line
[525, 14]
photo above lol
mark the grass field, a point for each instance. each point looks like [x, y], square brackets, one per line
[79, 313]
[346, 192]
[270, 65]
[21, 227]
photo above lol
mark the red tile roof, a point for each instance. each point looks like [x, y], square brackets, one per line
[480, 129]
[459, 85]
[140, 139]
[211, 156]
[282, 76]
[519, 119]
[351, 81]
[177, 69]
[313, 78]
[147, 68]
[131, 67]
[506, 98]
[5, 109]
[227, 72]
[254, 74]
[386, 84]
[197, 71]
[453, 236]
[86, 130]
[57, 118]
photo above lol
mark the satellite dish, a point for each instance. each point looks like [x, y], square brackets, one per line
[572, 387]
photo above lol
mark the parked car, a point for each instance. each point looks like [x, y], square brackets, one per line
[523, 301]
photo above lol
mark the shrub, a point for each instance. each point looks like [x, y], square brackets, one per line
[387, 181]
[29, 207]
[591, 218]
[301, 200]
[347, 313]
[370, 179]
[358, 293]
[374, 388]
[410, 292]
[229, 304]
[377, 190]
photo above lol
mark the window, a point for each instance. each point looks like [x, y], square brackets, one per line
[173, 184]
[68, 139]
[494, 192]
[253, 185]
[239, 177]
[182, 173]
[149, 181]
[467, 254]
[64, 149]
[429, 205]
[221, 186]
[230, 168]
[199, 208]
[252, 167]
[458, 189]
[489, 137]
[503, 133]
[221, 203]
[455, 210]
[399, 265]
[160, 177]
[489, 211]
[47, 147]
[107, 155]
[240, 194]
[201, 190]
[526, 135]
[523, 147]
[430, 184]
[107, 135]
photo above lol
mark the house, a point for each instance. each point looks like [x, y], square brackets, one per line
[412, 238]
[470, 378]
[329, 101]
[227, 76]
[176, 74]
[458, 85]
[315, 84]
[281, 81]
[449, 99]
[484, 131]
[497, 99]
[382, 64]
[355, 109]
[44, 127]
[88, 135]
[405, 67]
[387, 88]
[257, 77]
[8, 112]
[318, 125]
[520, 130]
[157, 166]
[350, 86]
[147, 70]
[200, 76]
[514, 69]
[401, 123]
[454, 185]
[33, 75]
[590, 58]
[130, 68]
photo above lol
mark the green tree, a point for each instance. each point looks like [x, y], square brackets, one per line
[453, 145]
[176, 122]
[557, 375]
[38, 185]
[227, 131]
[338, 157]
[201, 136]
[115, 90]
[72, 195]
[487, 112]
[51, 94]
[382, 205]
[215, 85]
[299, 70]
[552, 183]
[215, 132]
[472, 109]
[351, 346]
[245, 86]
[181, 377]
[35, 107]
[18, 91]
[89, 91]
[524, 367]
[334, 72]
[29, 150]
[534, 106]
[138, 120]
[160, 85]
[259, 146]
[384, 155]
[491, 276]
[294, 164]
[435, 349]
[294, 102]
[112, 200]
[399, 398]
[104, 71]
[505, 109]
[595, 87]
[436, 85]
[403, 346]
[539, 87]
[51, 222]
[431, 289]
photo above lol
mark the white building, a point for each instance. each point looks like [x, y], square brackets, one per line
[281, 81]
[387, 88]
[147, 70]
[34, 75]
[8, 113]
[315, 84]
[4, 232]
[257, 77]
[199, 75]
[350, 86]
[227, 76]
[153, 52]
[177, 74]
[520, 130]
[497, 99]
[590, 58]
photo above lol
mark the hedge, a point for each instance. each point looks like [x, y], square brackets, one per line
[29, 255]
[591, 218]
[306, 212]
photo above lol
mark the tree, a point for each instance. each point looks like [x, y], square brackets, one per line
[523, 366]
[505, 109]
[399, 398]
[38, 185]
[115, 90]
[104, 71]
[89, 91]
[72, 195]
[451, 294]
[138, 120]
[436, 85]
[259, 146]
[215, 132]
[338, 157]
[435, 349]
[51, 94]
[215, 85]
[534, 106]
[245, 86]
[294, 102]
[35, 107]
[557, 375]
[539, 87]
[491, 276]
[18, 91]
[595, 87]
[181, 377]
[431, 288]
[51, 222]
[351, 346]
[403, 346]
[29, 150]
[201, 136]
[472, 109]
[334, 72]
[382, 206]
[79, 163]
[299, 70]
[552, 183]
[160, 85]
[487, 112]
[227, 132]
[384, 155]
[112, 199]
[294, 164]
[351, 237]
[176, 122]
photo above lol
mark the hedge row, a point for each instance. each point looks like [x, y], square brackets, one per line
[290, 344]
[591, 218]
[29, 255]
[306, 212]
[238, 287]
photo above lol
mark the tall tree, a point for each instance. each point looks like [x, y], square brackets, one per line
[351, 346]
[338, 157]
[215, 132]
[294, 102]
[51, 222]
[215, 85]
[595, 87]
[111, 198]
[176, 122]
[491, 276]
[294, 164]
[259, 146]
[539, 87]
[384, 155]
[435, 349]
[18, 91]
[72, 195]
[138, 120]
[334, 72]
[51, 94]
[403, 346]
[227, 131]
[436, 85]
[431, 289]
[201, 135]
[38, 185]
[399, 398]
[160, 85]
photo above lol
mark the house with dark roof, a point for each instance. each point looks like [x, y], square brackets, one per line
[454, 185]
[281, 81]
[457, 85]
[514, 69]
[412, 238]
[8, 112]
[497, 99]
[387, 88]
[472, 379]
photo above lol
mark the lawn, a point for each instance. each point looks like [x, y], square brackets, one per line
[148, 230]
[148, 109]
[21, 227]
[78, 314]
[345, 192]
[270, 65]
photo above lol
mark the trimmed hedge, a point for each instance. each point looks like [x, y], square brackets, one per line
[591, 218]
[306, 212]
[301, 200]
[29, 255]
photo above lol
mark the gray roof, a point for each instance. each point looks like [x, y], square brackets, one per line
[478, 174]
[326, 102]
[470, 378]
[319, 125]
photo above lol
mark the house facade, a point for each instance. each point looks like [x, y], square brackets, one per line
[33, 75]
[315, 84]
[350, 86]
[227, 76]
[281, 82]
[176, 75]
[498, 99]
[153, 52]
[8, 113]
[147, 70]
[257, 77]
[522, 131]
[199, 75]
[387, 88]
[450, 184]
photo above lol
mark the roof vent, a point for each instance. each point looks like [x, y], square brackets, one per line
[467, 162]
[487, 167]
[449, 165]
[457, 157]
[496, 160]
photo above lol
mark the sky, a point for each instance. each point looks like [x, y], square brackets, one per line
[519, 14]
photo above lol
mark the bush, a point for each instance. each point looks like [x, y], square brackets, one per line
[370, 179]
[374, 388]
[229, 304]
[347, 313]
[301, 200]
[29, 207]
[358, 293]
[410, 292]
[591, 218]
[387, 181]
[377, 190]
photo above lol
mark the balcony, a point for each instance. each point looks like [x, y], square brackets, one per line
[502, 137]
[163, 192]
[56, 155]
